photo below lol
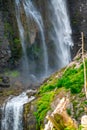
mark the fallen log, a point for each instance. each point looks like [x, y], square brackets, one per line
[59, 119]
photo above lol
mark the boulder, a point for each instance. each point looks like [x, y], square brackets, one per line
[4, 81]
[84, 122]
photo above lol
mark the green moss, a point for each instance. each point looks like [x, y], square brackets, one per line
[17, 41]
[27, 108]
[85, 102]
[72, 79]
[47, 88]
[16, 49]
[8, 93]
[69, 111]
[13, 73]
[8, 29]
[15, 44]
[43, 105]
[0, 80]
[82, 95]
[69, 128]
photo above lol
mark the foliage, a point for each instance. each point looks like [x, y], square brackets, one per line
[16, 49]
[47, 88]
[8, 29]
[72, 79]
[14, 41]
[13, 73]
[43, 105]
[69, 128]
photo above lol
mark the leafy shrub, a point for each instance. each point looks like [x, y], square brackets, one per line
[47, 88]
[43, 105]
[72, 79]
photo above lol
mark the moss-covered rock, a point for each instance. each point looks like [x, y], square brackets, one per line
[67, 82]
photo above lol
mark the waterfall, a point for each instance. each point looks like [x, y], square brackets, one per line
[22, 38]
[12, 112]
[61, 33]
[60, 36]
[31, 12]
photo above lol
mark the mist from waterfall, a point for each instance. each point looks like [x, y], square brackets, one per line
[22, 37]
[31, 12]
[60, 35]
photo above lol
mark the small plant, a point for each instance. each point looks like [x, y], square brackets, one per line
[8, 29]
[72, 79]
[16, 41]
[80, 127]
[12, 73]
[43, 105]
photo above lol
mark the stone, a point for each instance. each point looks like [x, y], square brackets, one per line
[78, 15]
[5, 79]
[84, 122]
[5, 82]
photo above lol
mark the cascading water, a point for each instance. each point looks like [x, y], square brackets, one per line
[12, 112]
[60, 36]
[61, 33]
[30, 11]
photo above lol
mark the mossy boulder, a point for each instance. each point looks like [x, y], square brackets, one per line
[67, 82]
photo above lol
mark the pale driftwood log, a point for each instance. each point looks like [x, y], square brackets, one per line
[83, 57]
[61, 111]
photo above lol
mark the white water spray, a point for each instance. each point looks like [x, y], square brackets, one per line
[30, 11]
[61, 34]
[22, 37]
[12, 112]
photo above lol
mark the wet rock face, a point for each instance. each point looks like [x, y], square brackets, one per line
[9, 35]
[84, 122]
[29, 119]
[5, 54]
[78, 15]
[4, 45]
[0, 116]
[4, 82]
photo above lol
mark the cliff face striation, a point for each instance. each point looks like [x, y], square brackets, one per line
[4, 43]
[67, 83]
[78, 16]
[9, 36]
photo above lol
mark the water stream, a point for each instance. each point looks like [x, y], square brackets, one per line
[31, 12]
[61, 33]
[12, 112]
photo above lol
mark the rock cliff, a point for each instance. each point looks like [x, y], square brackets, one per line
[9, 33]
[78, 16]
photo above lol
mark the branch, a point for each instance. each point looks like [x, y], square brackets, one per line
[83, 57]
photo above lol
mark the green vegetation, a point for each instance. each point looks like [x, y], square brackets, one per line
[14, 41]
[43, 105]
[0, 79]
[16, 49]
[12, 74]
[72, 79]
[8, 29]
